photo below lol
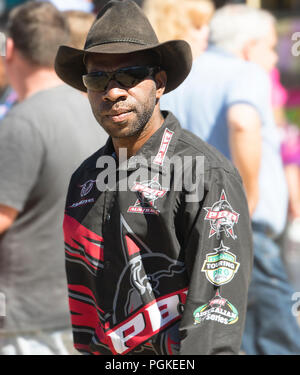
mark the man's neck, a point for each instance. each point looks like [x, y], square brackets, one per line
[35, 80]
[133, 144]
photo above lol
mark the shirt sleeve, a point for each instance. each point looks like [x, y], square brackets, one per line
[218, 258]
[250, 85]
[21, 155]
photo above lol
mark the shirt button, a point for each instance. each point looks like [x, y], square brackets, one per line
[180, 308]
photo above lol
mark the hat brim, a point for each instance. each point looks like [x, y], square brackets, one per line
[176, 60]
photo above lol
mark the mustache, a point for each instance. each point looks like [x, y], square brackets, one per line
[116, 108]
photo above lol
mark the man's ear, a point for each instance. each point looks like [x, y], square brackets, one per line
[10, 49]
[161, 81]
[247, 50]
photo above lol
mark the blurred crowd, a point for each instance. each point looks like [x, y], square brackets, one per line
[233, 99]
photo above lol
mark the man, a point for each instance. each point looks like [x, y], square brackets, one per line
[79, 24]
[42, 139]
[226, 100]
[78, 5]
[154, 265]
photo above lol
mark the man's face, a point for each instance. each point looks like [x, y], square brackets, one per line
[122, 112]
[263, 51]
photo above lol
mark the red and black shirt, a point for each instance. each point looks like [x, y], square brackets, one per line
[150, 268]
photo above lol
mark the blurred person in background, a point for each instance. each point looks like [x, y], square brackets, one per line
[181, 19]
[290, 152]
[290, 144]
[45, 136]
[226, 100]
[80, 23]
[65, 5]
[291, 157]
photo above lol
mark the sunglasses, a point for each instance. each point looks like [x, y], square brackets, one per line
[127, 77]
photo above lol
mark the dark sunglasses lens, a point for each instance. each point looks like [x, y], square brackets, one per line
[95, 82]
[126, 79]
[129, 77]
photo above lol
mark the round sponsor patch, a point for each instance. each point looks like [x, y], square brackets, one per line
[220, 266]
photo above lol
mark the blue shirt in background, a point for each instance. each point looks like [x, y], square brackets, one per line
[217, 81]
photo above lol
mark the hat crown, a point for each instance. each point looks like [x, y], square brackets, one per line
[121, 21]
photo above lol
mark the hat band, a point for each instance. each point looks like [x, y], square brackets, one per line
[133, 41]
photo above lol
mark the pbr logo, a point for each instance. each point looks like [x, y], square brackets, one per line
[218, 309]
[148, 192]
[146, 297]
[222, 217]
[165, 142]
[220, 266]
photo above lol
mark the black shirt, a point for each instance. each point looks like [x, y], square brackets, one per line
[164, 266]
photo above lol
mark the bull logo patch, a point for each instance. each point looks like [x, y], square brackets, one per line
[145, 272]
[148, 192]
[222, 217]
[220, 266]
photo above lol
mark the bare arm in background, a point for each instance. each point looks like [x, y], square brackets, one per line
[7, 216]
[245, 144]
[292, 173]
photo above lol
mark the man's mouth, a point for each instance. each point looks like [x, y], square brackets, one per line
[118, 116]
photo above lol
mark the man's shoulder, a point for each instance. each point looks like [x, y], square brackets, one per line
[60, 110]
[37, 103]
[89, 164]
[19, 121]
[192, 145]
[226, 63]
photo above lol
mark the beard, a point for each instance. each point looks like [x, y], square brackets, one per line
[134, 124]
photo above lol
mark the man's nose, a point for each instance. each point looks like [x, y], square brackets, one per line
[114, 91]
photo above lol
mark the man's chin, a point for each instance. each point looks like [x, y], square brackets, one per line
[125, 133]
[123, 129]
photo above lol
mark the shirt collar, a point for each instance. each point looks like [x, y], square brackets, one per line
[156, 150]
[220, 51]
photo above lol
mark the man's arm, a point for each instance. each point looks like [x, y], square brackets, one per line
[7, 217]
[21, 155]
[292, 174]
[244, 127]
[218, 258]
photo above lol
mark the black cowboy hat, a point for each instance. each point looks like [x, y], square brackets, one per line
[122, 27]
